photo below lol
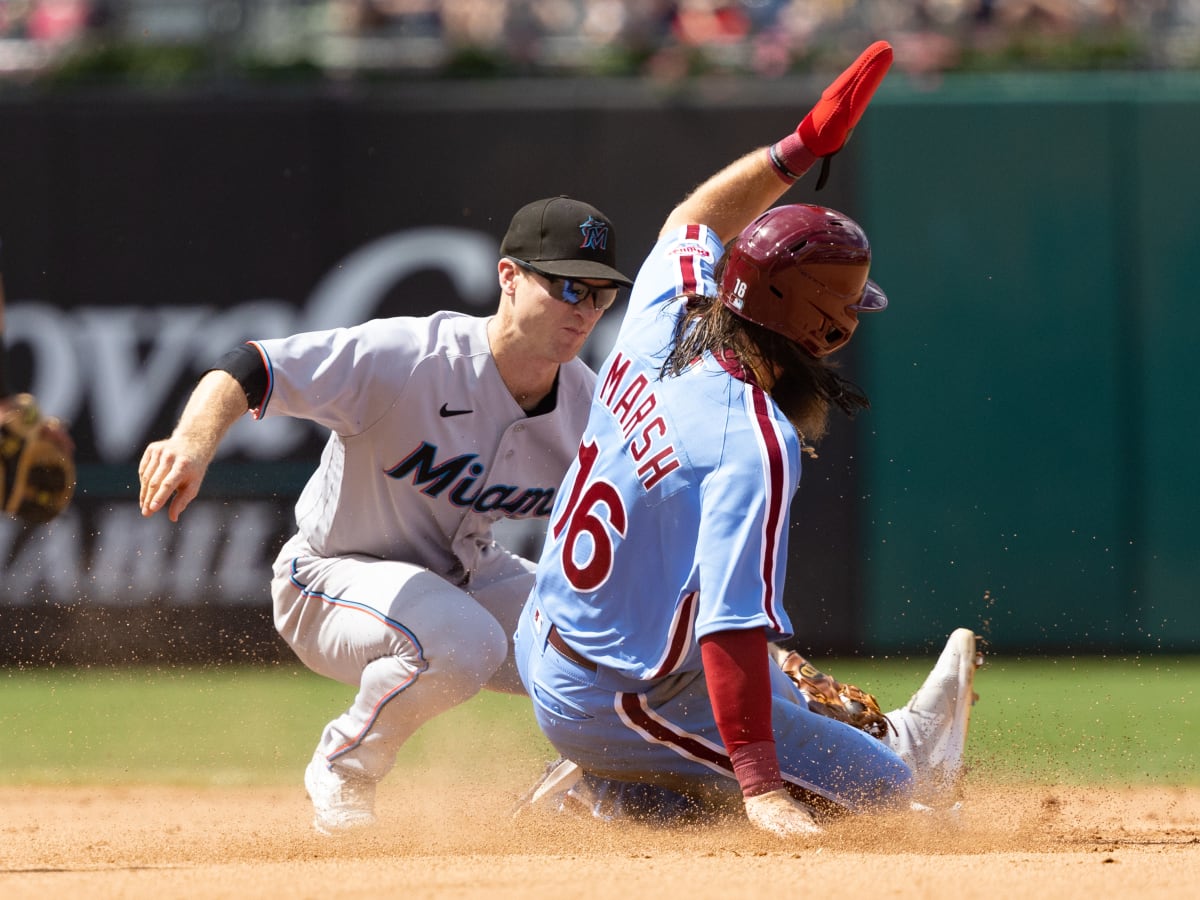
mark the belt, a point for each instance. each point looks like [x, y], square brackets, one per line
[555, 640]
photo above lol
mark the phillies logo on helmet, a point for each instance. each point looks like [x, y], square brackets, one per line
[595, 234]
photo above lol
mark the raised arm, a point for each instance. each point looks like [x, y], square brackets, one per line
[735, 196]
[732, 198]
[735, 661]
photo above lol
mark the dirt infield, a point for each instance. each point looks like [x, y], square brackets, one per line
[449, 841]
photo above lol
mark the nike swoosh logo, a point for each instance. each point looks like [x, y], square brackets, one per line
[446, 413]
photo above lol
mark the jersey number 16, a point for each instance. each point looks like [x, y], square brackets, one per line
[594, 509]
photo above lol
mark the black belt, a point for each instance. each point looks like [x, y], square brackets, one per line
[555, 640]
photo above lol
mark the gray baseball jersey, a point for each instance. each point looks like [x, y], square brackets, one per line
[393, 582]
[428, 447]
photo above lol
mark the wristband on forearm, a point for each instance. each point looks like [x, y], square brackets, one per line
[790, 158]
[756, 767]
[245, 364]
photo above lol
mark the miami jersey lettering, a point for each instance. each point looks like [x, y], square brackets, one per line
[423, 470]
[460, 475]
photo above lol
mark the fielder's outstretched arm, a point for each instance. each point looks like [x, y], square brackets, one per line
[177, 465]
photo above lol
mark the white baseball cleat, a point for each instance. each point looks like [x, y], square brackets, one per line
[340, 802]
[550, 789]
[930, 733]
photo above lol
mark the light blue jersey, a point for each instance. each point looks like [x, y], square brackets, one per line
[672, 522]
[671, 525]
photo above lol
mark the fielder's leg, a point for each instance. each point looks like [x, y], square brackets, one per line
[413, 644]
[502, 587]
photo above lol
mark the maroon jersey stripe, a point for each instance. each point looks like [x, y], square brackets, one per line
[777, 500]
[631, 706]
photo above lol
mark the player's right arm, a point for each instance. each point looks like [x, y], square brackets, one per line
[732, 198]
[177, 465]
[739, 688]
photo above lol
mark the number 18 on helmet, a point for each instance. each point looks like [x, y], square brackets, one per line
[801, 271]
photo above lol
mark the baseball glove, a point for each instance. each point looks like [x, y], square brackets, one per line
[37, 461]
[829, 697]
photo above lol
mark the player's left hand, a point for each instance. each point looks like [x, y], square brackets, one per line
[827, 126]
[37, 461]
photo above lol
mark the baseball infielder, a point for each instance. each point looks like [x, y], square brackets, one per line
[644, 646]
[438, 427]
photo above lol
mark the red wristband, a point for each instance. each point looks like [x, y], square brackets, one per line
[757, 768]
[790, 158]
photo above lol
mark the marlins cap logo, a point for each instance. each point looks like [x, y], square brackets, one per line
[595, 234]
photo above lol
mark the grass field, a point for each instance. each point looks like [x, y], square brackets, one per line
[1126, 721]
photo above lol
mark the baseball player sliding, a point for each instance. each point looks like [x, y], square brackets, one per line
[645, 643]
[438, 427]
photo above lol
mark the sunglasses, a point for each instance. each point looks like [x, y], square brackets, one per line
[573, 291]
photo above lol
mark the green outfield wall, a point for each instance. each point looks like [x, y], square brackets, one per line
[1030, 468]
[1027, 469]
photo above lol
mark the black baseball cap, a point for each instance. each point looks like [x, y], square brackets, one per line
[564, 237]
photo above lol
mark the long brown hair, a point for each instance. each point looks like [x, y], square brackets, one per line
[806, 388]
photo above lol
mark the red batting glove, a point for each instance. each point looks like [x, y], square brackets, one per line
[827, 126]
[825, 129]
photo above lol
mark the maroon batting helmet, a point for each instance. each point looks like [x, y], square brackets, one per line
[801, 271]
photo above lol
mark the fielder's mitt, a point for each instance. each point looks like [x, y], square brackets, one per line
[37, 461]
[830, 697]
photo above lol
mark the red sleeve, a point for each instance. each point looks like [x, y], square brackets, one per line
[736, 668]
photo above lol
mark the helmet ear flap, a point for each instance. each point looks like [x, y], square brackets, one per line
[801, 271]
[826, 335]
[834, 338]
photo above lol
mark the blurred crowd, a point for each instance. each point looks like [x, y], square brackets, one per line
[765, 38]
[771, 37]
